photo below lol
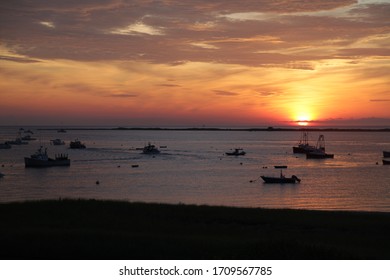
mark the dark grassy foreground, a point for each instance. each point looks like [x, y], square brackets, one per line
[90, 229]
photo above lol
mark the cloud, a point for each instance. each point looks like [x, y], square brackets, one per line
[267, 93]
[138, 28]
[379, 100]
[225, 93]
[251, 33]
[18, 59]
[168, 85]
[48, 24]
[123, 95]
[204, 45]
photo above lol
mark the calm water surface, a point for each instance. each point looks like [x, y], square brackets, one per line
[193, 169]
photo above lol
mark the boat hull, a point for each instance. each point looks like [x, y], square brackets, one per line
[235, 154]
[77, 146]
[31, 162]
[319, 155]
[303, 149]
[386, 154]
[279, 180]
[386, 162]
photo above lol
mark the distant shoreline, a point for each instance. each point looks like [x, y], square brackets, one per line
[271, 129]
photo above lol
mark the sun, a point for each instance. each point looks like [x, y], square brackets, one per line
[303, 120]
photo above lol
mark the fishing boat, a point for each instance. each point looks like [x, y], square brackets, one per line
[319, 151]
[150, 149]
[41, 159]
[76, 144]
[57, 142]
[386, 162]
[236, 152]
[386, 154]
[303, 145]
[5, 145]
[281, 179]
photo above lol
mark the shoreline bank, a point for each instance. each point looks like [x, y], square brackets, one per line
[92, 229]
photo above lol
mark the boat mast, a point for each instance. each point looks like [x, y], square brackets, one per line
[321, 143]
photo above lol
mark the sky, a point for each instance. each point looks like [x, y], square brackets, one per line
[195, 63]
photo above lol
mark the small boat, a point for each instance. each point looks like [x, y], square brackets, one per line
[28, 138]
[386, 162]
[17, 141]
[281, 179]
[386, 154]
[41, 159]
[280, 166]
[303, 145]
[61, 130]
[236, 152]
[76, 144]
[150, 149]
[5, 145]
[57, 142]
[319, 152]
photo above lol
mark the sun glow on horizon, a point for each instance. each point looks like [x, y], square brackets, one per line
[303, 119]
[303, 122]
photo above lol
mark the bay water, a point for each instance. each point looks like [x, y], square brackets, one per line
[192, 168]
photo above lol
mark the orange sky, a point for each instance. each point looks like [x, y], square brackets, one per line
[194, 63]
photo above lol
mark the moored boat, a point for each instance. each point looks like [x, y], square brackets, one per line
[386, 154]
[57, 142]
[28, 138]
[41, 159]
[150, 149]
[236, 152]
[77, 145]
[319, 152]
[17, 141]
[386, 162]
[303, 145]
[281, 179]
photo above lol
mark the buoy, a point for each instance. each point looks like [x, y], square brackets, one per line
[97, 182]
